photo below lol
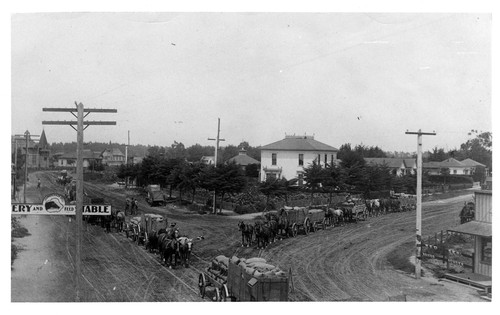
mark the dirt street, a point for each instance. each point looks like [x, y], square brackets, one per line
[339, 264]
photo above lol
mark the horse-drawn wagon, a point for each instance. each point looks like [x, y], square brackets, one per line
[242, 279]
[139, 227]
[354, 211]
[317, 219]
[291, 220]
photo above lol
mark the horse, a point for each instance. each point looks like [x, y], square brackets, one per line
[168, 248]
[262, 234]
[246, 233]
[273, 229]
[185, 248]
[373, 207]
[385, 205]
[338, 216]
[152, 243]
[118, 220]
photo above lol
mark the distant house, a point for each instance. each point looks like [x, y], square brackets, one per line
[69, 159]
[397, 166]
[465, 167]
[472, 165]
[288, 157]
[208, 160]
[243, 159]
[112, 157]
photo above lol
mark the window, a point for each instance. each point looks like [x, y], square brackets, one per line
[331, 159]
[273, 159]
[301, 159]
[301, 179]
[486, 250]
[454, 171]
[326, 159]
[319, 159]
[270, 175]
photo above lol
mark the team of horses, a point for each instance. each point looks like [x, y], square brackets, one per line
[273, 226]
[171, 247]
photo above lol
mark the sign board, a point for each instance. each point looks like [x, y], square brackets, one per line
[54, 204]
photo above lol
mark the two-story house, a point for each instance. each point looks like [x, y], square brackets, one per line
[288, 157]
[113, 157]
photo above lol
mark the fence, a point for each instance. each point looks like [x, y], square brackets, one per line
[448, 247]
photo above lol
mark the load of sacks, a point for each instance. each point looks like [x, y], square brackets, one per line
[258, 267]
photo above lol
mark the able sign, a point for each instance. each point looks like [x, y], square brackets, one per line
[54, 204]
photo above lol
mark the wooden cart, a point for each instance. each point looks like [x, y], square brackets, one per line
[236, 282]
[297, 218]
[317, 219]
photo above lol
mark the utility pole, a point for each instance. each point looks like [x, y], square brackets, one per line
[216, 155]
[79, 170]
[126, 156]
[27, 136]
[418, 254]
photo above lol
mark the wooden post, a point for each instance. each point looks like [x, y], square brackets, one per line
[79, 198]
[418, 241]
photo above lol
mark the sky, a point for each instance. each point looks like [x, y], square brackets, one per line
[354, 78]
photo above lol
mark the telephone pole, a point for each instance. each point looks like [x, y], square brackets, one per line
[418, 254]
[216, 155]
[126, 156]
[27, 137]
[79, 170]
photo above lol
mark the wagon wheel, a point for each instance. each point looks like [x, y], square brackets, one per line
[225, 293]
[202, 283]
[217, 296]
[323, 224]
[315, 227]
[306, 226]
[294, 230]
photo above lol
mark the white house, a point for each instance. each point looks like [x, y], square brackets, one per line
[288, 157]
[113, 157]
[397, 166]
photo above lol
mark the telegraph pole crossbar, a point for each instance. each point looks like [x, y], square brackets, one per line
[80, 110]
[418, 241]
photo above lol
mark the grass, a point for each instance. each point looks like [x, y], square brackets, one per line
[398, 258]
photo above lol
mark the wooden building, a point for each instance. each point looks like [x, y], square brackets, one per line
[481, 229]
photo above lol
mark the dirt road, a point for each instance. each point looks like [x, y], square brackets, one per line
[339, 264]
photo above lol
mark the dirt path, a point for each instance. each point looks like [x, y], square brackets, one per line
[339, 264]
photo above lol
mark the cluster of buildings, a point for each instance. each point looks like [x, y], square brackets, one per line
[285, 158]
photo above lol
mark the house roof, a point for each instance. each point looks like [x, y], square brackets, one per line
[390, 162]
[471, 162]
[412, 163]
[451, 162]
[299, 143]
[43, 144]
[243, 159]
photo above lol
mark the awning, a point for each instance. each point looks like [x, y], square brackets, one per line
[474, 228]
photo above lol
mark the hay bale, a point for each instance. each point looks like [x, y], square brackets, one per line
[235, 260]
[262, 266]
[255, 259]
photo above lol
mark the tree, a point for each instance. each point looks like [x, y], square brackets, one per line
[229, 152]
[229, 180]
[196, 152]
[354, 169]
[445, 172]
[334, 179]
[480, 148]
[314, 176]
[252, 170]
[438, 155]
